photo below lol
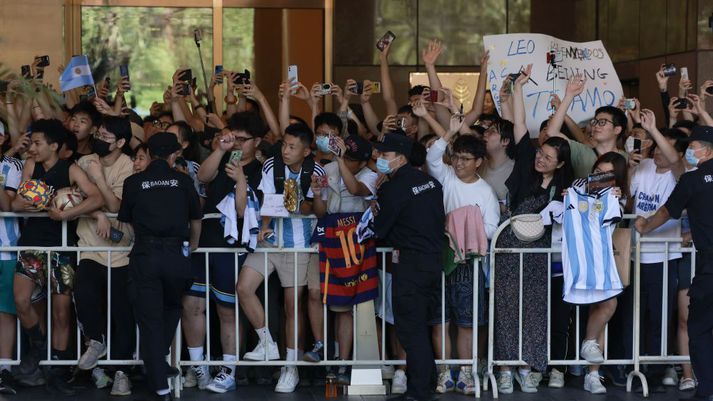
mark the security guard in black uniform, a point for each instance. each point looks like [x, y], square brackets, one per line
[694, 192]
[163, 207]
[412, 220]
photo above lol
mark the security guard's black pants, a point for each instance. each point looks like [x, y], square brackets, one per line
[159, 276]
[416, 283]
[700, 323]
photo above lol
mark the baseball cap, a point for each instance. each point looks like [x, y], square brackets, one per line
[395, 143]
[163, 144]
[358, 148]
[702, 133]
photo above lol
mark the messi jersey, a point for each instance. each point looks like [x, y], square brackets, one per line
[347, 269]
[589, 268]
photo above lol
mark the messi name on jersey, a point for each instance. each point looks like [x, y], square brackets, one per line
[347, 269]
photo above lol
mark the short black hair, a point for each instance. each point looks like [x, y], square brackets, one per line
[352, 127]
[165, 114]
[247, 122]
[417, 90]
[301, 131]
[53, 130]
[427, 138]
[417, 158]
[89, 109]
[298, 118]
[471, 145]
[679, 136]
[687, 124]
[192, 152]
[507, 131]
[330, 119]
[618, 116]
[407, 109]
[120, 127]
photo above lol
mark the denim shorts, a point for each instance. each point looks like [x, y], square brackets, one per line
[459, 298]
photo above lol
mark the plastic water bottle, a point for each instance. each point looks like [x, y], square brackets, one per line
[186, 248]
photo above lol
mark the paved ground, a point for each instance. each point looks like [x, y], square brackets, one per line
[253, 392]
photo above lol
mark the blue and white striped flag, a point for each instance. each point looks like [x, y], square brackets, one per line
[76, 74]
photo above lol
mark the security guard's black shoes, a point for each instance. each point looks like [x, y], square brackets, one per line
[172, 372]
[698, 397]
[6, 382]
[56, 377]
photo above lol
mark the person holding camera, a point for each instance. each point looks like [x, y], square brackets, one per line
[107, 168]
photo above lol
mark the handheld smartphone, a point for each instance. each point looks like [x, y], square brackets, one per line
[359, 88]
[637, 145]
[242, 78]
[402, 123]
[292, 76]
[107, 80]
[385, 40]
[629, 104]
[323, 181]
[89, 92]
[325, 89]
[433, 96]
[187, 75]
[235, 157]
[514, 77]
[25, 71]
[115, 235]
[376, 87]
[669, 70]
[709, 90]
[43, 61]
[184, 88]
[681, 104]
[124, 72]
[219, 74]
[684, 73]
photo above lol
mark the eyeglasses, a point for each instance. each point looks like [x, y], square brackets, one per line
[601, 122]
[464, 159]
[161, 124]
[241, 139]
[541, 154]
[104, 137]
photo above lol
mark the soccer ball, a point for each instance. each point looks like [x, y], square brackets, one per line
[67, 198]
[35, 191]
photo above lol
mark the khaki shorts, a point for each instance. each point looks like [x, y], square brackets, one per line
[313, 273]
[284, 264]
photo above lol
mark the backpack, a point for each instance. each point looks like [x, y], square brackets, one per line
[278, 169]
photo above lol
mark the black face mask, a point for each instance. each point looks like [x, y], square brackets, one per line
[101, 148]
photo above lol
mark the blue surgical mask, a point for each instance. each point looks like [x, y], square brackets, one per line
[383, 166]
[691, 157]
[323, 143]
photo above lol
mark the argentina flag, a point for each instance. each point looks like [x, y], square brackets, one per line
[76, 74]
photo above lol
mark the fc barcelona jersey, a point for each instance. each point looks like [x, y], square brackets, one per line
[348, 273]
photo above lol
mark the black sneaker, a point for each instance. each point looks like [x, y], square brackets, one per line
[6, 380]
[616, 374]
[57, 381]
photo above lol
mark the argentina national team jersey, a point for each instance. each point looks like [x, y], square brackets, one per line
[11, 175]
[590, 273]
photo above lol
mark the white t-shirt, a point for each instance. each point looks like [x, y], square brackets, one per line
[343, 201]
[11, 175]
[650, 191]
[296, 232]
[457, 193]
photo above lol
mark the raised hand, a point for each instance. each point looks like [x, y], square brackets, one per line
[555, 101]
[524, 76]
[662, 79]
[648, 120]
[419, 109]
[484, 59]
[430, 54]
[575, 86]
[302, 92]
[366, 92]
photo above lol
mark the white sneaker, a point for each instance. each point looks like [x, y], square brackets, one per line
[90, 357]
[387, 372]
[670, 377]
[591, 352]
[258, 354]
[122, 385]
[528, 383]
[197, 376]
[289, 378]
[505, 382]
[445, 381]
[593, 383]
[466, 381]
[687, 384]
[399, 382]
[556, 379]
[222, 382]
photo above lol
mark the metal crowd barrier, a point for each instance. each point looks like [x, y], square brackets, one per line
[637, 360]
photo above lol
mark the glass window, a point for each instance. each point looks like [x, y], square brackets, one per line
[153, 41]
[238, 39]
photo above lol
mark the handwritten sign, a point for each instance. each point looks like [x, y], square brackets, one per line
[553, 61]
[273, 205]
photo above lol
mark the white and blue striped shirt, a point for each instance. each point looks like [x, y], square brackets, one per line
[296, 232]
[11, 172]
[590, 273]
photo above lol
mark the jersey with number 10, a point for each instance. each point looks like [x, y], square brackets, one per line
[590, 273]
[348, 273]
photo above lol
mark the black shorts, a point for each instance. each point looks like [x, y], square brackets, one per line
[221, 270]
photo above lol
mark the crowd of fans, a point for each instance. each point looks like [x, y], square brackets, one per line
[481, 157]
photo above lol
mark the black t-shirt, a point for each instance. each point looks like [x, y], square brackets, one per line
[411, 215]
[160, 202]
[217, 190]
[43, 230]
[524, 182]
[694, 192]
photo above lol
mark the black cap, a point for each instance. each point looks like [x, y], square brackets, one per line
[395, 143]
[358, 148]
[163, 144]
[702, 133]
